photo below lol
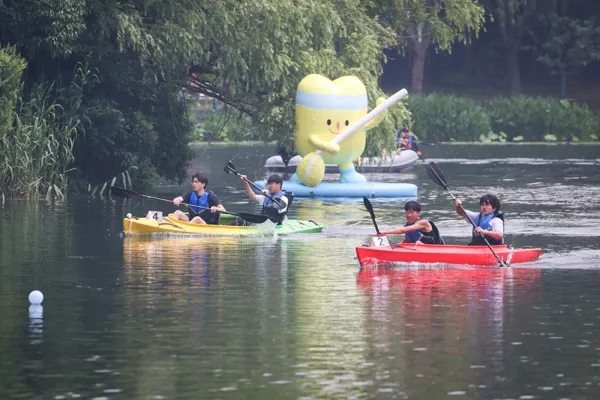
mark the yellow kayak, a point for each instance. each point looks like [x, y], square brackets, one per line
[137, 226]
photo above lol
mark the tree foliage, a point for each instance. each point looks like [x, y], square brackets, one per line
[11, 70]
[250, 54]
[420, 23]
[441, 22]
[567, 45]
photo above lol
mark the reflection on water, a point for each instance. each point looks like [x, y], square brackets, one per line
[36, 323]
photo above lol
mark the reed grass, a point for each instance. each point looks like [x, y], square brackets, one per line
[38, 150]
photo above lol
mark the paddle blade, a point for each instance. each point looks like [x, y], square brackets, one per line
[125, 193]
[231, 169]
[436, 175]
[253, 218]
[368, 205]
[369, 208]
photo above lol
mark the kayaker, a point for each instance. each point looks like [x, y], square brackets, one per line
[416, 230]
[199, 196]
[405, 140]
[489, 222]
[274, 211]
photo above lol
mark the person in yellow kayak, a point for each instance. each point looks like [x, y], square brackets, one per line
[416, 229]
[489, 222]
[199, 196]
[275, 210]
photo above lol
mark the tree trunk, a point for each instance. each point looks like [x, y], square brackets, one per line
[512, 70]
[419, 54]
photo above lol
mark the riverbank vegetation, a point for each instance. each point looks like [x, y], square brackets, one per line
[101, 92]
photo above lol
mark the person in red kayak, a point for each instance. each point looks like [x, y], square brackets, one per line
[199, 196]
[489, 222]
[416, 230]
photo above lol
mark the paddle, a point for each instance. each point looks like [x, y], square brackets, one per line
[436, 175]
[230, 169]
[126, 193]
[369, 208]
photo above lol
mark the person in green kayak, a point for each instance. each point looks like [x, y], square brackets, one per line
[199, 196]
[489, 221]
[275, 210]
[416, 229]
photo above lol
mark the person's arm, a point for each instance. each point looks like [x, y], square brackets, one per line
[248, 188]
[215, 202]
[184, 198]
[420, 225]
[472, 215]
[459, 210]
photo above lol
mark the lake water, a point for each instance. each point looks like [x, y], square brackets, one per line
[229, 318]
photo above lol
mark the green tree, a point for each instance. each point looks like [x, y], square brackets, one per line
[250, 54]
[566, 45]
[419, 24]
[514, 18]
[11, 71]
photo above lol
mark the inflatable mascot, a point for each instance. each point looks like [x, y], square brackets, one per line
[325, 109]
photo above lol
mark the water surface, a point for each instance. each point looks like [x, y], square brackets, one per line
[193, 317]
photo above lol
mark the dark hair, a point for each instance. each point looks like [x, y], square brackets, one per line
[412, 205]
[201, 178]
[491, 200]
[404, 129]
[275, 179]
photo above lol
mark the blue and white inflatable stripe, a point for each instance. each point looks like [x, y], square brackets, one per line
[332, 101]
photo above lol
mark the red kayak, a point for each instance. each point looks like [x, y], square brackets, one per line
[443, 254]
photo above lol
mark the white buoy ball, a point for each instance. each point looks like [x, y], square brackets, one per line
[36, 297]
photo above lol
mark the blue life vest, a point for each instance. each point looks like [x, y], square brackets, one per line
[484, 221]
[432, 237]
[411, 139]
[271, 211]
[202, 201]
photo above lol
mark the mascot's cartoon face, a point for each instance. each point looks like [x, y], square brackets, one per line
[325, 108]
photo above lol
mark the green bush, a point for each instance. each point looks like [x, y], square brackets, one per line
[11, 71]
[448, 118]
[533, 119]
[539, 119]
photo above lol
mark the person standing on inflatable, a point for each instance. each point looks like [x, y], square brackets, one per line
[199, 196]
[416, 230]
[276, 212]
[489, 222]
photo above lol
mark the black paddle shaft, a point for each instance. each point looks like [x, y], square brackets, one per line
[252, 218]
[231, 169]
[436, 175]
